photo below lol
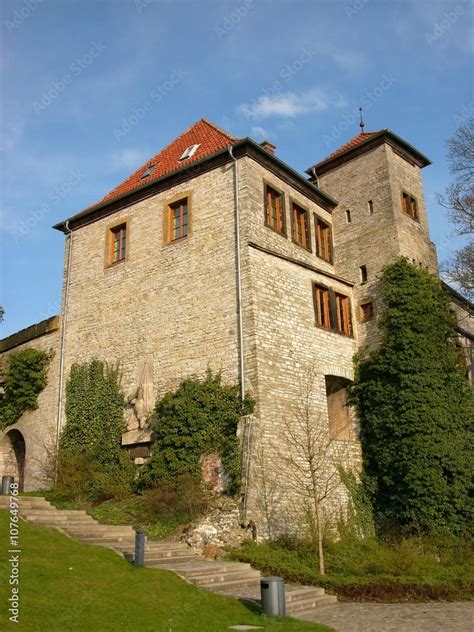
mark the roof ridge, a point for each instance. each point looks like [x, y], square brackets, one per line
[218, 129]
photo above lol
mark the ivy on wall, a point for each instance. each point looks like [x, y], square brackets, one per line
[25, 379]
[416, 409]
[199, 418]
[94, 426]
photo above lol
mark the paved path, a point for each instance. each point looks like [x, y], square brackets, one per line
[409, 617]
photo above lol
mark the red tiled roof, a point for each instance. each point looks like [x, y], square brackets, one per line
[203, 133]
[357, 140]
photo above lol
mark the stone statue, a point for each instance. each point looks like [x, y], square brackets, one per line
[141, 402]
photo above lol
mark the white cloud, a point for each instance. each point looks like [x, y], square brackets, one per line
[290, 104]
[259, 132]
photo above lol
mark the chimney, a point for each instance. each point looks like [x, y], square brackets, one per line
[268, 146]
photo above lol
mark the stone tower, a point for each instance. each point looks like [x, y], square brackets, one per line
[381, 215]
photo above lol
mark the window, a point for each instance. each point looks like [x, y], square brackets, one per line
[343, 312]
[323, 239]
[190, 151]
[367, 311]
[322, 306]
[274, 210]
[363, 274]
[178, 220]
[348, 216]
[148, 171]
[332, 310]
[370, 207]
[117, 244]
[340, 415]
[300, 224]
[410, 205]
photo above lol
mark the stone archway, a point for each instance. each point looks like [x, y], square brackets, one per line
[12, 456]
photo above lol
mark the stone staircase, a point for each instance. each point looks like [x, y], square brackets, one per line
[233, 579]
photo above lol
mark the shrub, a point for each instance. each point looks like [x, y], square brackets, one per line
[25, 379]
[182, 501]
[200, 418]
[416, 409]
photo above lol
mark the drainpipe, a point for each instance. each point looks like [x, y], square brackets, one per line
[239, 277]
[315, 175]
[63, 340]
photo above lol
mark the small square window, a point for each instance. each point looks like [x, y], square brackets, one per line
[367, 311]
[190, 151]
[117, 244]
[178, 220]
[148, 171]
[274, 210]
[410, 205]
[300, 226]
[323, 240]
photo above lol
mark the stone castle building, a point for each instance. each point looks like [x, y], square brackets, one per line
[216, 254]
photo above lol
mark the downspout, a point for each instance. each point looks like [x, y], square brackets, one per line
[241, 329]
[239, 277]
[315, 175]
[61, 352]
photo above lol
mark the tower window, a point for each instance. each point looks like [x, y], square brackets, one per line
[363, 274]
[332, 310]
[323, 239]
[322, 306]
[178, 220]
[370, 207]
[410, 206]
[117, 244]
[348, 216]
[367, 311]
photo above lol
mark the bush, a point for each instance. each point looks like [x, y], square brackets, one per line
[200, 418]
[183, 501]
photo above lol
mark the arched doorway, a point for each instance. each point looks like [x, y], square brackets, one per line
[12, 454]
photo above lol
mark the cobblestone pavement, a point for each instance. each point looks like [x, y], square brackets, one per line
[413, 617]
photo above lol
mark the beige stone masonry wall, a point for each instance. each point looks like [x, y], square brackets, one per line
[38, 427]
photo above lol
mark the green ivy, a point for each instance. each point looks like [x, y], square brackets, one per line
[416, 409]
[200, 418]
[25, 379]
[95, 423]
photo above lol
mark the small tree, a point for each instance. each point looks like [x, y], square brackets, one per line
[312, 461]
[416, 408]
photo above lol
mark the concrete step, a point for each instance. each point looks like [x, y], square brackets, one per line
[98, 539]
[170, 563]
[227, 576]
[94, 527]
[163, 554]
[310, 603]
[59, 519]
[36, 511]
[302, 592]
[210, 568]
[229, 585]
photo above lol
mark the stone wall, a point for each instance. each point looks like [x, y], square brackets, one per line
[37, 427]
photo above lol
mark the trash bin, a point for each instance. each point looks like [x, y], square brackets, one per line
[6, 484]
[272, 591]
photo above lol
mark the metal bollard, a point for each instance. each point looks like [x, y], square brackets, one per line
[272, 591]
[6, 484]
[139, 548]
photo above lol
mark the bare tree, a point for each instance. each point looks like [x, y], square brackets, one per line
[312, 457]
[459, 200]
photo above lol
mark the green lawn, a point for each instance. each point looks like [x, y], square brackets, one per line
[66, 585]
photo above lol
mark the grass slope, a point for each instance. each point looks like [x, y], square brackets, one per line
[66, 585]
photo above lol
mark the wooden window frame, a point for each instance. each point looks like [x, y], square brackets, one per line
[169, 204]
[294, 205]
[317, 221]
[337, 321]
[366, 301]
[322, 310]
[411, 209]
[268, 186]
[110, 242]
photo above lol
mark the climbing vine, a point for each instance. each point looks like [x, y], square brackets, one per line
[25, 378]
[199, 418]
[416, 409]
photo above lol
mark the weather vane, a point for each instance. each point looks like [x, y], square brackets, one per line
[361, 124]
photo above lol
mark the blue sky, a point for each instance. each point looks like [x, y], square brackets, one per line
[91, 89]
